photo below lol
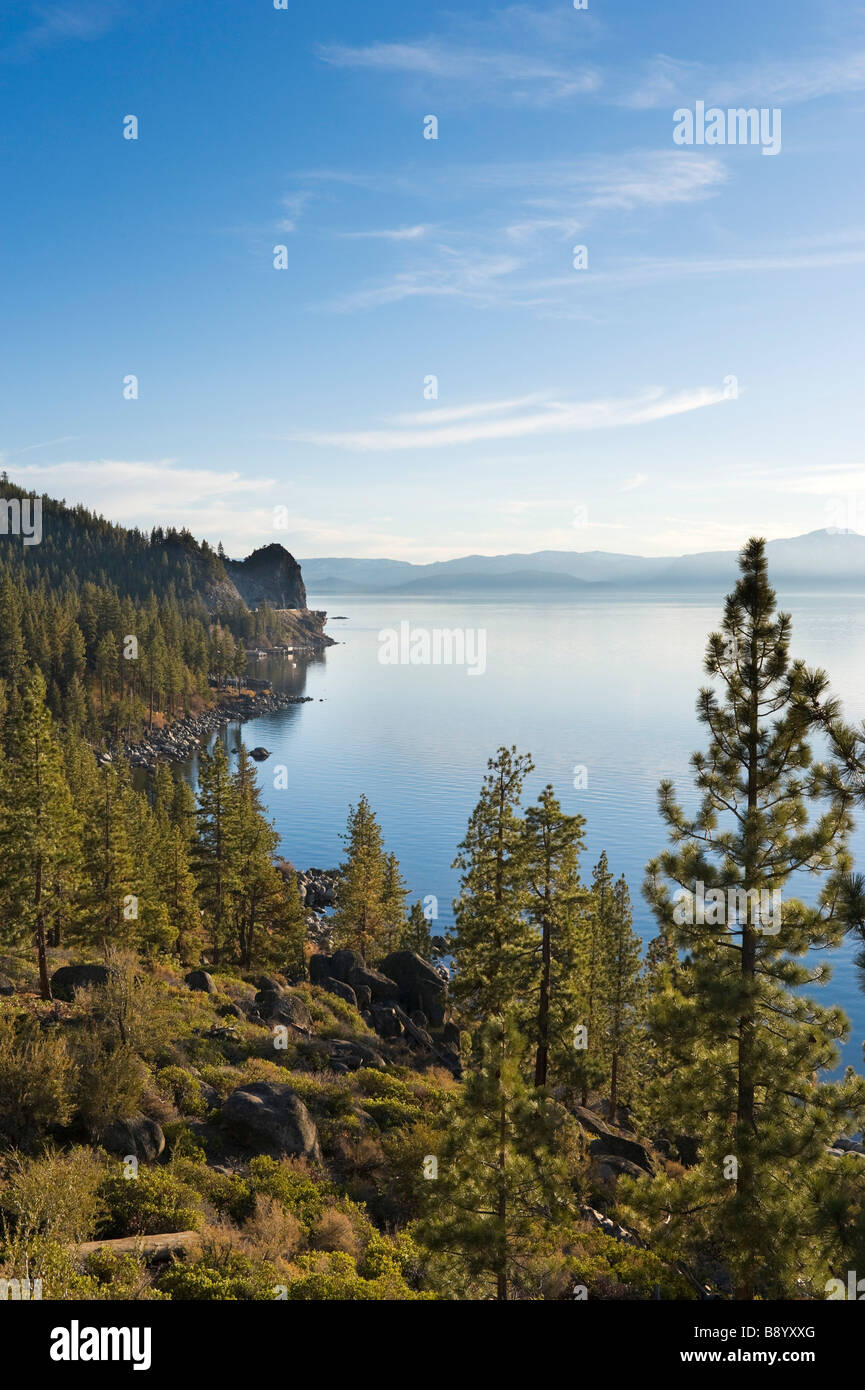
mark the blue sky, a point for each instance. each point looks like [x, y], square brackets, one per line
[577, 409]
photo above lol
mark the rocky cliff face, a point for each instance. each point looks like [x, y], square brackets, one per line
[269, 575]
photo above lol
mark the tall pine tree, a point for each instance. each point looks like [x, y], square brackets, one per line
[748, 1044]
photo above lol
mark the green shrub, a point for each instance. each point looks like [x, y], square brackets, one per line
[392, 1114]
[611, 1269]
[227, 1193]
[183, 1090]
[37, 1078]
[153, 1203]
[54, 1196]
[110, 1081]
[382, 1085]
[180, 1141]
[300, 1194]
[234, 1278]
[333, 1276]
[120, 1277]
[323, 1096]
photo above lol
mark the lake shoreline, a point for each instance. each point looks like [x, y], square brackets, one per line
[181, 740]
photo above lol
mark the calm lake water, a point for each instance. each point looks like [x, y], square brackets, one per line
[607, 683]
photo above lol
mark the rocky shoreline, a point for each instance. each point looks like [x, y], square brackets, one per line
[180, 740]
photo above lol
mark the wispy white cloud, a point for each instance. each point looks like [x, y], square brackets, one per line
[492, 259]
[468, 274]
[648, 270]
[779, 81]
[645, 178]
[388, 234]
[441, 415]
[64, 20]
[511, 420]
[480, 70]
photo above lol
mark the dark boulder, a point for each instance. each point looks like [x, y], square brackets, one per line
[209, 1095]
[6, 986]
[200, 980]
[268, 982]
[343, 962]
[420, 985]
[341, 990]
[134, 1137]
[364, 996]
[319, 968]
[450, 1059]
[385, 1021]
[379, 985]
[68, 978]
[271, 1118]
[611, 1141]
[610, 1166]
[278, 1006]
[353, 1054]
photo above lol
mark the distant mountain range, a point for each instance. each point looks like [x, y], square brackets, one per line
[830, 557]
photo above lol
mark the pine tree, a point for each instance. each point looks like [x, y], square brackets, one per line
[359, 920]
[174, 811]
[112, 878]
[416, 935]
[748, 1044]
[287, 930]
[38, 825]
[592, 1065]
[13, 653]
[494, 944]
[257, 885]
[216, 857]
[393, 896]
[179, 892]
[624, 992]
[553, 842]
[505, 1181]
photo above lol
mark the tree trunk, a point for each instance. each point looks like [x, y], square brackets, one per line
[502, 1275]
[39, 935]
[745, 1123]
[614, 1085]
[544, 1002]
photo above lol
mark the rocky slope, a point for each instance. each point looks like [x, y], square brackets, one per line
[269, 575]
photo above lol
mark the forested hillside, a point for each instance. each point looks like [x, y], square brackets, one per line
[123, 624]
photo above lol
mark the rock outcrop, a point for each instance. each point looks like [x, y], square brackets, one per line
[68, 978]
[421, 986]
[269, 575]
[613, 1148]
[200, 980]
[134, 1137]
[273, 1119]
